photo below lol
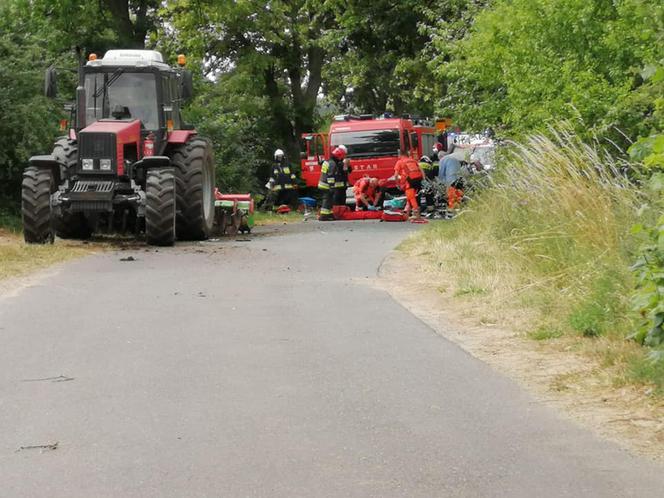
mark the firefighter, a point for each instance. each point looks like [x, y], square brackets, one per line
[282, 181]
[428, 168]
[409, 178]
[367, 193]
[329, 172]
[341, 180]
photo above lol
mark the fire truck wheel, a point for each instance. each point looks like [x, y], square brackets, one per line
[36, 205]
[195, 189]
[160, 207]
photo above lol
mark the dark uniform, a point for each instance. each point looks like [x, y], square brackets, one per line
[341, 183]
[284, 182]
[327, 184]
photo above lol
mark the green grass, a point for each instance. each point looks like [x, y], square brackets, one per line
[262, 218]
[545, 333]
[10, 220]
[642, 369]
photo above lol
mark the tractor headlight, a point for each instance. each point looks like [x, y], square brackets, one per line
[87, 164]
[105, 164]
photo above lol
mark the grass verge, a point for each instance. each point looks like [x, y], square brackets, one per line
[262, 218]
[546, 251]
[18, 258]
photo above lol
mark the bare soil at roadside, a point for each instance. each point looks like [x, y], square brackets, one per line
[557, 376]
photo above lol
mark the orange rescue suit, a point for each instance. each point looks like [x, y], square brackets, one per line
[363, 186]
[409, 176]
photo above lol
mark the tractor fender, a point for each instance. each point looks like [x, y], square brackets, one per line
[177, 137]
[150, 162]
[48, 162]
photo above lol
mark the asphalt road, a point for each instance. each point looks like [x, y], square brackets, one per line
[268, 368]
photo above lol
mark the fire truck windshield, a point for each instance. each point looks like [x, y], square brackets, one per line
[106, 92]
[369, 143]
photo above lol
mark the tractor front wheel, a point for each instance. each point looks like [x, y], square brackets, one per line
[195, 189]
[160, 207]
[36, 205]
[69, 225]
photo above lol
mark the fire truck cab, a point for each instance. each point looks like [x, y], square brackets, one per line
[374, 144]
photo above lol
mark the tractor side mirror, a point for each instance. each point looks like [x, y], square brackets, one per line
[187, 85]
[50, 83]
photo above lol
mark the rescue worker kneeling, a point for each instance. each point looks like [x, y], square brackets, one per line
[282, 181]
[367, 193]
[409, 178]
[331, 174]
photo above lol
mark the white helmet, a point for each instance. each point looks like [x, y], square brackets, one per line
[344, 148]
[278, 154]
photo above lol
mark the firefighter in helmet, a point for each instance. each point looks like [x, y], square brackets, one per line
[282, 181]
[428, 168]
[331, 176]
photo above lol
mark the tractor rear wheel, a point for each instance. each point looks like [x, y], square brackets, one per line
[69, 225]
[194, 165]
[36, 192]
[160, 207]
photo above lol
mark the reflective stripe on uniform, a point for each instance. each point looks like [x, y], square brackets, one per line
[325, 211]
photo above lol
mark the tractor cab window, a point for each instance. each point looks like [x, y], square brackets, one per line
[108, 92]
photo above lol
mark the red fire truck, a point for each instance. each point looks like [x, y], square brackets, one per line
[374, 144]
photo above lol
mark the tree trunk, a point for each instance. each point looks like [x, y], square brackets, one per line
[131, 35]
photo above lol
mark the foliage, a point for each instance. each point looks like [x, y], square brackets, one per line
[526, 64]
[276, 45]
[378, 49]
[649, 270]
[236, 129]
[27, 119]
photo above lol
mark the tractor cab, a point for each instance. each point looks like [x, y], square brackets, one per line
[129, 85]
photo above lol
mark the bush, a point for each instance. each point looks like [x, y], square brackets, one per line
[649, 269]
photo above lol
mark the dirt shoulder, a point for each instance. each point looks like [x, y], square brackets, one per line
[555, 374]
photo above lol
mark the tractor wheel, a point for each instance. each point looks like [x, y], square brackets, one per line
[195, 189]
[65, 150]
[36, 192]
[160, 207]
[69, 225]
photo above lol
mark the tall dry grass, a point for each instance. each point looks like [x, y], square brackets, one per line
[546, 245]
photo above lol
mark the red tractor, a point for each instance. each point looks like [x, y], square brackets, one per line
[128, 163]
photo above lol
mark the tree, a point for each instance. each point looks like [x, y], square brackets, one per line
[28, 120]
[527, 63]
[277, 43]
[378, 48]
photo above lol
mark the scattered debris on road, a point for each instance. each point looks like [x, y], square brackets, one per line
[128, 258]
[59, 378]
[42, 447]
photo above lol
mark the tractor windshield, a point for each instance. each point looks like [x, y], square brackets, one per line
[370, 143]
[108, 93]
